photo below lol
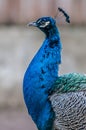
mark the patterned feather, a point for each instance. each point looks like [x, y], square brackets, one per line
[69, 102]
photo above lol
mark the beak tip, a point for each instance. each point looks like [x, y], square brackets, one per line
[32, 24]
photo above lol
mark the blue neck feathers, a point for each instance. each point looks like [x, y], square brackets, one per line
[39, 78]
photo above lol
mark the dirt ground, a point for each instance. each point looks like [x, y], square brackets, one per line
[15, 120]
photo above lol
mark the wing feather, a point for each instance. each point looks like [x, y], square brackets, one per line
[69, 104]
[69, 83]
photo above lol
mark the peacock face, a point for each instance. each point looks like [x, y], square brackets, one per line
[44, 23]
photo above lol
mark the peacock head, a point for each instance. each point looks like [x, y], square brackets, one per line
[48, 24]
[45, 24]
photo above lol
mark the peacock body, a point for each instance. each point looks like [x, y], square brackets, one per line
[54, 102]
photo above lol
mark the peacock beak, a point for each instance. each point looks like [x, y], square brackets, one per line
[32, 24]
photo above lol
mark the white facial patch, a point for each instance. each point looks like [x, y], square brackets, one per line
[45, 24]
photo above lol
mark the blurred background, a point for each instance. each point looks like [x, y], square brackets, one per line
[19, 43]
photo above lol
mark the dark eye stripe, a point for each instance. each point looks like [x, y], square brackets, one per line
[41, 22]
[45, 24]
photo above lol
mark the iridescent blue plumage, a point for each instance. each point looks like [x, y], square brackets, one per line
[41, 75]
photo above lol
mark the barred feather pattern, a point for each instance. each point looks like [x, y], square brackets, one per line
[70, 109]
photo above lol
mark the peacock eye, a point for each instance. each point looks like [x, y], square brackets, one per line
[44, 24]
[41, 22]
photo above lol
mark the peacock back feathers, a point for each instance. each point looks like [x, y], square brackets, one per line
[71, 82]
[68, 100]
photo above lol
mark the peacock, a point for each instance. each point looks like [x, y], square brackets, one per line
[54, 102]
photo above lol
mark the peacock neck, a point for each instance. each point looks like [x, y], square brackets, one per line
[39, 78]
[51, 33]
[46, 62]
